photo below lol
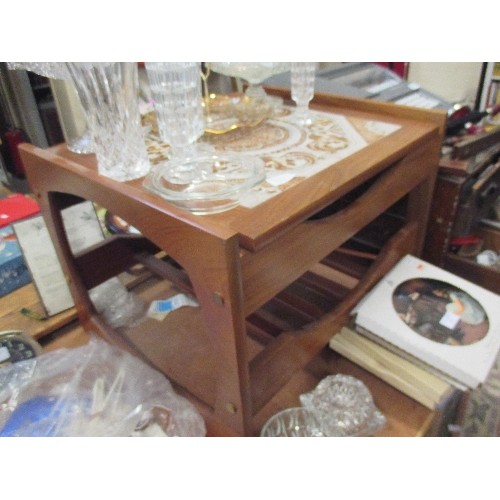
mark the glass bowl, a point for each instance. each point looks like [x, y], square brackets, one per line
[224, 113]
[344, 406]
[252, 72]
[206, 184]
[293, 422]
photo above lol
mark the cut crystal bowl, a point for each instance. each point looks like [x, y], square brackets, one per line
[344, 407]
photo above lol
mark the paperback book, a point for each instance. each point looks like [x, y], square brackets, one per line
[415, 381]
[435, 317]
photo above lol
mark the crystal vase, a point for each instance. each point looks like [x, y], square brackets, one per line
[81, 144]
[58, 71]
[110, 92]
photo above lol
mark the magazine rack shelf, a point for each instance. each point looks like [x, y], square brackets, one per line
[274, 282]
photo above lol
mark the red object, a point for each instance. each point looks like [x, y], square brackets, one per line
[400, 68]
[12, 139]
[465, 240]
[16, 207]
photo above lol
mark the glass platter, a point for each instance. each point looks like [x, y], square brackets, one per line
[224, 113]
[206, 184]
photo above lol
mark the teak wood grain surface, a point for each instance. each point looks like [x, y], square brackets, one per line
[236, 262]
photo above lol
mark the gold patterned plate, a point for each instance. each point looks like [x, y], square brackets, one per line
[224, 113]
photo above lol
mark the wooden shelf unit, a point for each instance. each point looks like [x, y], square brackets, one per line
[274, 282]
[465, 190]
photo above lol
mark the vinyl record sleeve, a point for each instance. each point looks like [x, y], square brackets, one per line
[446, 321]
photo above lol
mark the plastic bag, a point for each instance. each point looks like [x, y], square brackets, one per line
[93, 390]
[118, 306]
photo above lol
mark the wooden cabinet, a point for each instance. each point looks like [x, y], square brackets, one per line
[274, 282]
[466, 189]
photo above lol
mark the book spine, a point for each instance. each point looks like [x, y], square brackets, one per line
[409, 357]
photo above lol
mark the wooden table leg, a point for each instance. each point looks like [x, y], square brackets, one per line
[219, 291]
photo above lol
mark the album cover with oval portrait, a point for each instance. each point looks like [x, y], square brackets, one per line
[435, 316]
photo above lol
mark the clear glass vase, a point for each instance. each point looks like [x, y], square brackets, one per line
[81, 144]
[109, 93]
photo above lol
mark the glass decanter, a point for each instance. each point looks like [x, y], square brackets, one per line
[194, 177]
[303, 75]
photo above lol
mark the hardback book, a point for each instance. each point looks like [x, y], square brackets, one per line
[403, 354]
[436, 317]
[415, 381]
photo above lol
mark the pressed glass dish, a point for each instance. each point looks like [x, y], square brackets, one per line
[344, 406]
[254, 73]
[206, 184]
[292, 422]
[224, 113]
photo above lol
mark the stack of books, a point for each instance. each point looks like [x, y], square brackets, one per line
[425, 331]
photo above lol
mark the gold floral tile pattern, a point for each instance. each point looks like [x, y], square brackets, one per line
[290, 151]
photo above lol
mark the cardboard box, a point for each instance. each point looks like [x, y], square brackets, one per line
[13, 270]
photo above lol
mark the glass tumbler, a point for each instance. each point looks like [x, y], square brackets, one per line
[303, 75]
[110, 94]
[176, 91]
